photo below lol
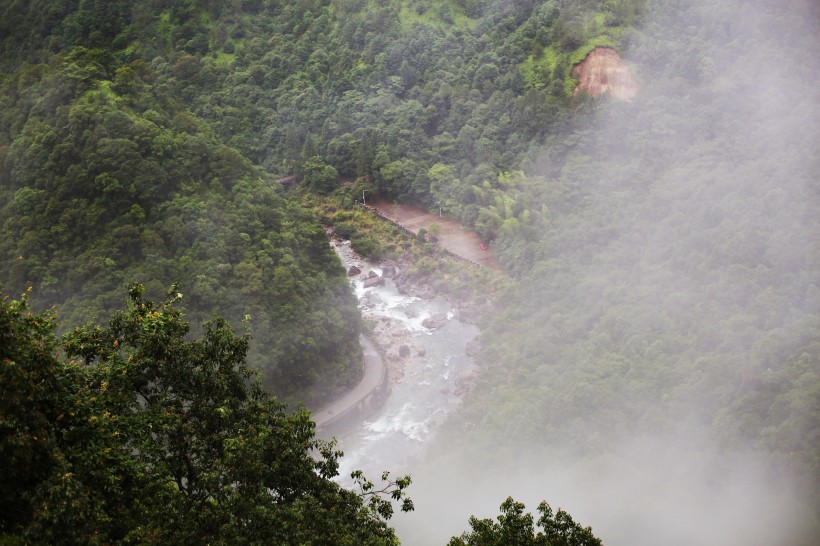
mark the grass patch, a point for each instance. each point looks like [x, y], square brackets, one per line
[537, 70]
[442, 14]
[224, 60]
[577, 56]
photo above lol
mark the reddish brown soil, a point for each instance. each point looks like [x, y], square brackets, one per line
[453, 236]
[604, 72]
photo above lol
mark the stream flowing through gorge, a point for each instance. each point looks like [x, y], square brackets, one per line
[424, 346]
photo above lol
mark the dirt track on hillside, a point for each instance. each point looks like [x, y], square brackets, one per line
[453, 236]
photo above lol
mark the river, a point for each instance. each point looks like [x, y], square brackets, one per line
[426, 384]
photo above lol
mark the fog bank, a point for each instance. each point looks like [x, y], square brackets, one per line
[657, 374]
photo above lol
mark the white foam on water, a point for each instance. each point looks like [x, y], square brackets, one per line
[420, 402]
[404, 421]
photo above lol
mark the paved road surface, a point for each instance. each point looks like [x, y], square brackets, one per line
[373, 376]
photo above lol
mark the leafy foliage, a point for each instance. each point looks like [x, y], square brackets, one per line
[142, 435]
[140, 140]
[107, 178]
[516, 527]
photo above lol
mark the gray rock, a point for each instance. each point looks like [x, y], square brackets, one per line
[470, 315]
[425, 292]
[436, 321]
[373, 281]
[389, 271]
[353, 271]
[404, 351]
[440, 285]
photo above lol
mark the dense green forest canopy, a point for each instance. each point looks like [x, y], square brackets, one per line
[664, 251]
[108, 177]
[131, 134]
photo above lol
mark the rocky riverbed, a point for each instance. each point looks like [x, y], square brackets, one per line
[425, 345]
[396, 327]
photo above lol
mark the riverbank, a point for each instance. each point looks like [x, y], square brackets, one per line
[426, 350]
[392, 323]
[421, 308]
[368, 394]
[450, 234]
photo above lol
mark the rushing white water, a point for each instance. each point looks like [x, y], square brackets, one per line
[421, 399]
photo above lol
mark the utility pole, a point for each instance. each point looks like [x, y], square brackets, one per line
[363, 201]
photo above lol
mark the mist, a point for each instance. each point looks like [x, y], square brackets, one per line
[651, 491]
[673, 296]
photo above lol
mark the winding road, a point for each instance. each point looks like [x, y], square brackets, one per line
[374, 371]
[452, 236]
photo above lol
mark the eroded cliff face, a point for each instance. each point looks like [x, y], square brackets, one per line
[605, 72]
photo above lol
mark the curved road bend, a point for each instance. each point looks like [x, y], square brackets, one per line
[372, 379]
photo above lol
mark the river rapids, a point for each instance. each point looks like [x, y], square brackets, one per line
[426, 384]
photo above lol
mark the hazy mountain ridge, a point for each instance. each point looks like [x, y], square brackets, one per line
[666, 311]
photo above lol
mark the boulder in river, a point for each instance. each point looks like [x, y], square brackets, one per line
[436, 321]
[468, 314]
[425, 292]
[373, 281]
[389, 271]
[404, 350]
[353, 271]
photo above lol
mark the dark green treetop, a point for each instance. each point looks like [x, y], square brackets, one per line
[514, 527]
[135, 433]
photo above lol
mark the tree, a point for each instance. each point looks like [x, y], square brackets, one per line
[143, 435]
[515, 528]
[320, 177]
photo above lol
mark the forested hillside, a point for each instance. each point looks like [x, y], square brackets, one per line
[664, 326]
[663, 251]
[674, 272]
[108, 178]
[140, 141]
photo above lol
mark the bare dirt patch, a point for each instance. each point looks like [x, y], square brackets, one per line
[452, 235]
[605, 72]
